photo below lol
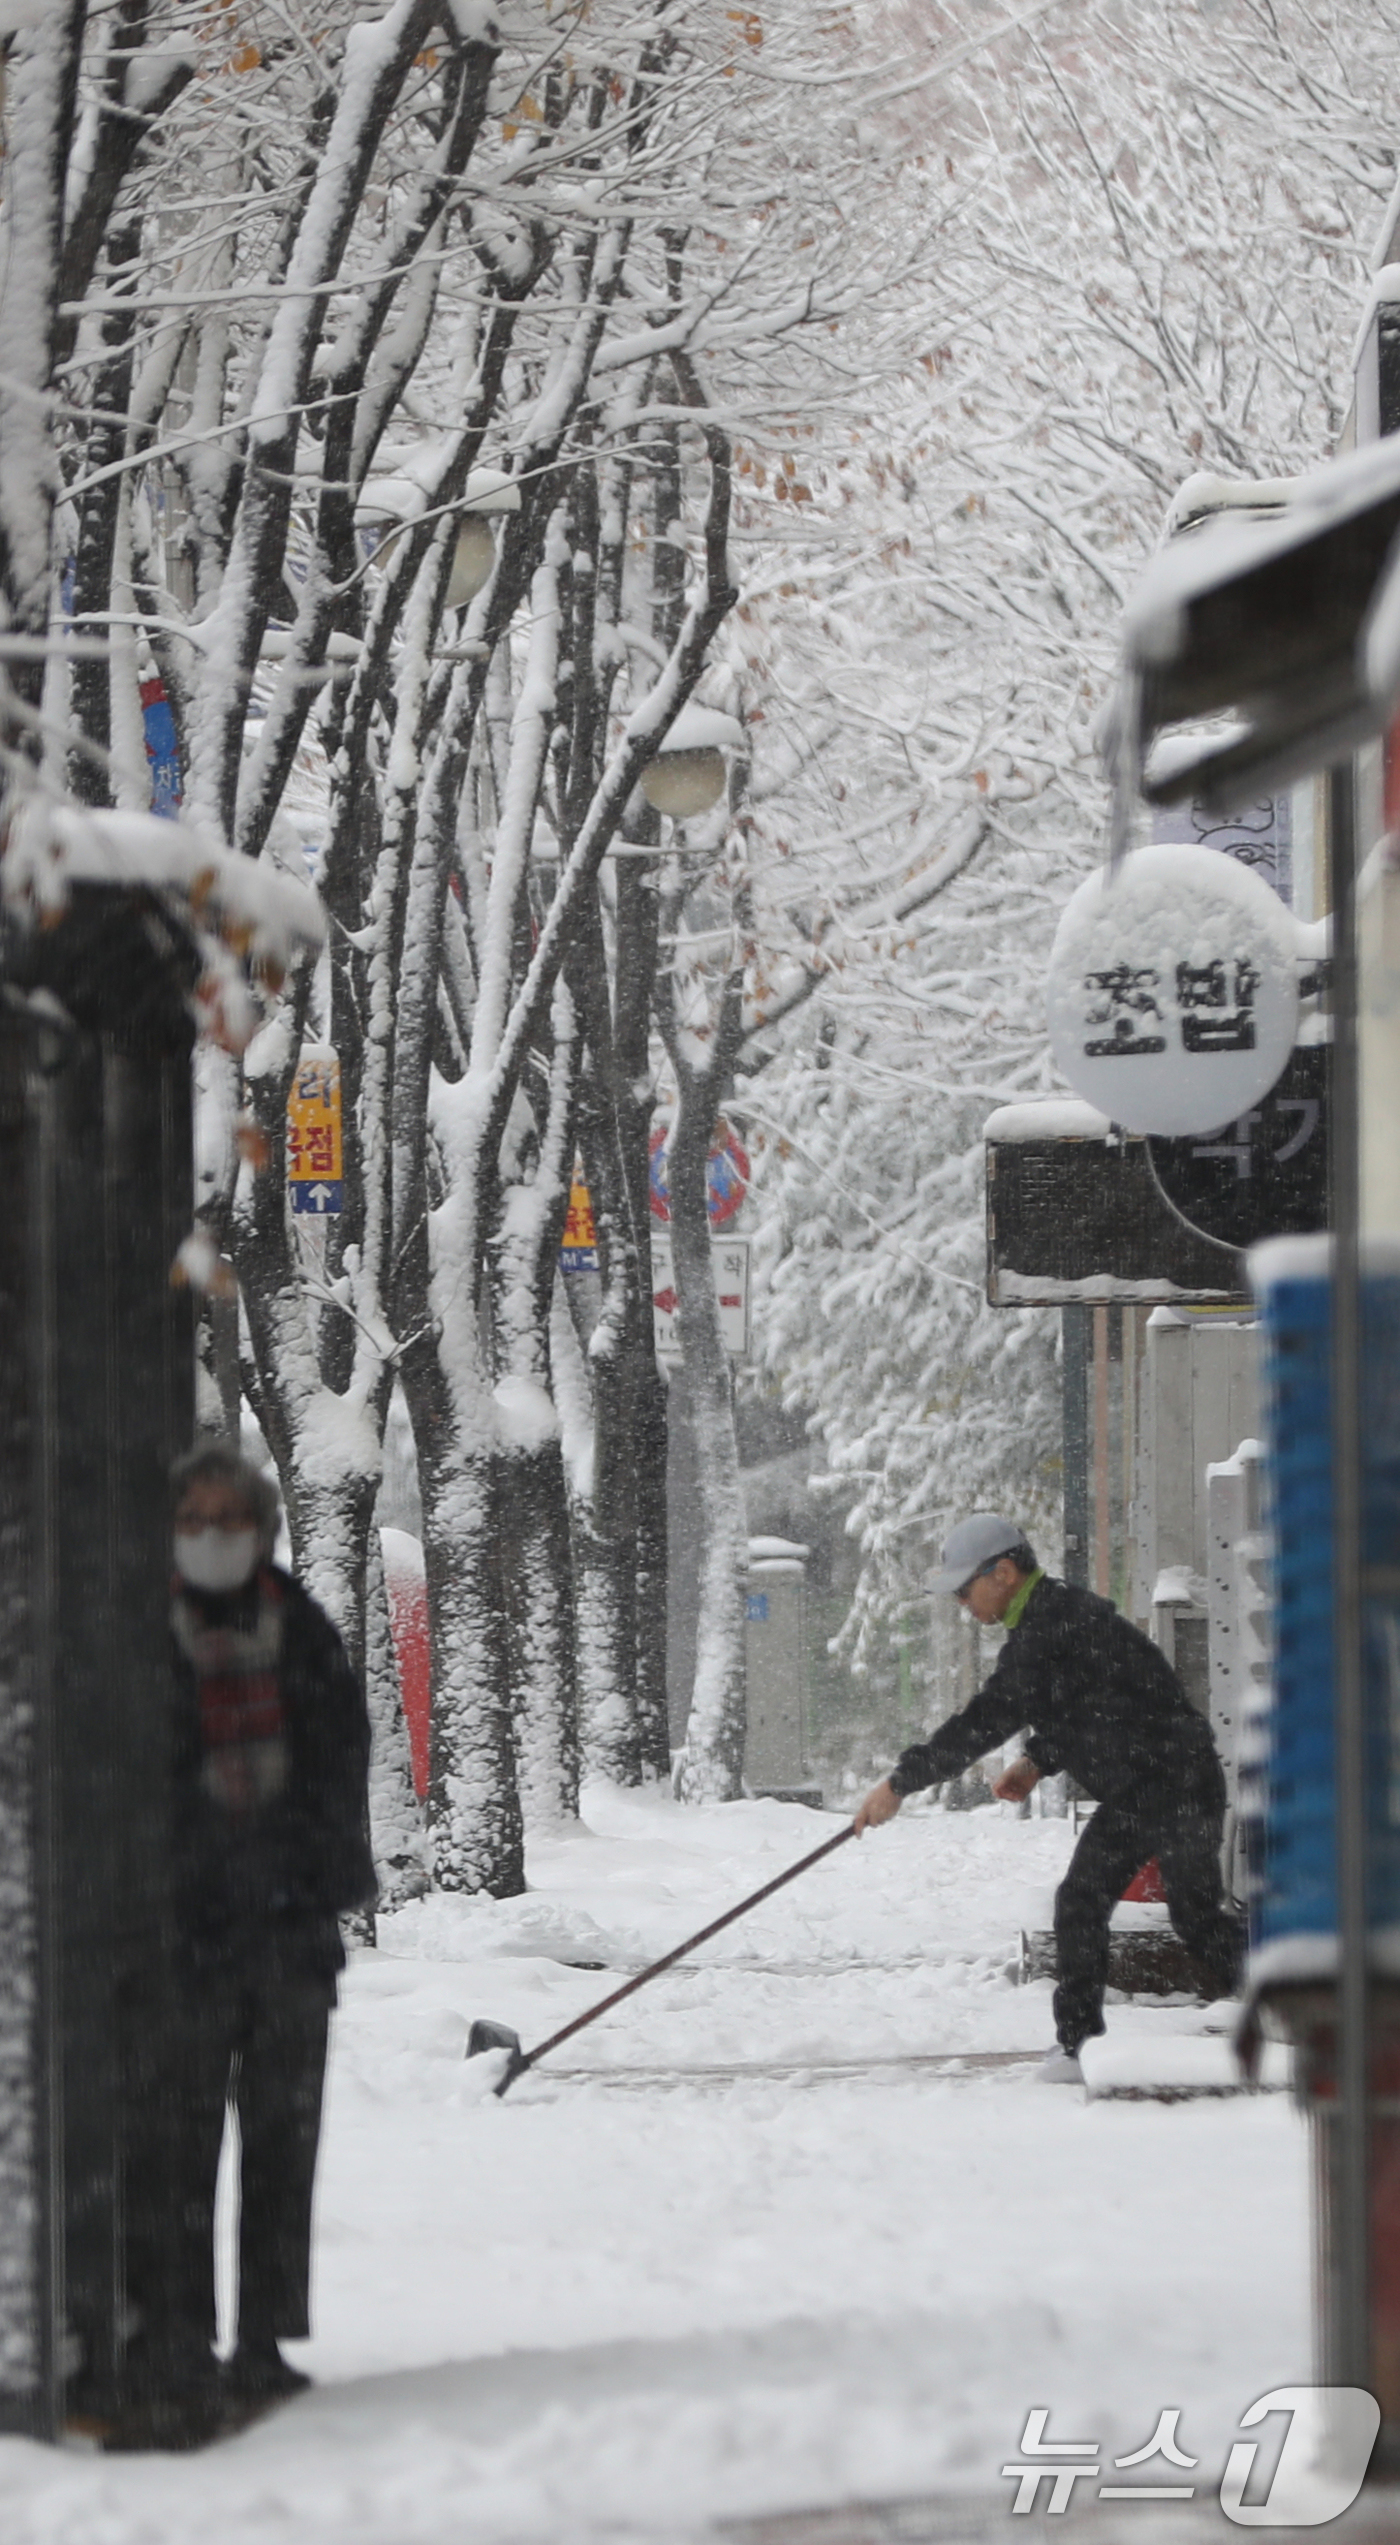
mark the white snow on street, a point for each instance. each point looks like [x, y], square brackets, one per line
[605, 2308]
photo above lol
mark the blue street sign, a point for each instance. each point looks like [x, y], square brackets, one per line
[321, 1199]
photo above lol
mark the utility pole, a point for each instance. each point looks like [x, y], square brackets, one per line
[1075, 1341]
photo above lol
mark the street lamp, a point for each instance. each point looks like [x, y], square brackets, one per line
[689, 773]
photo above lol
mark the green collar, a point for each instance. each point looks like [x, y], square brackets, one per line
[1017, 1608]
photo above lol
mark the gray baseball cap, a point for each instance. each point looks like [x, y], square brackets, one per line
[973, 1543]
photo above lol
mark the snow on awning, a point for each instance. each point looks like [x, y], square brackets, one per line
[1053, 1118]
[1276, 625]
[242, 914]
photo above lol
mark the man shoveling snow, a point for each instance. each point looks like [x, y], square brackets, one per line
[1101, 1701]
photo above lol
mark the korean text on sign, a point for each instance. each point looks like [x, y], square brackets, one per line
[315, 1157]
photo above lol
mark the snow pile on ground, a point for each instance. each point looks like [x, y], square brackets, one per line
[695, 2271]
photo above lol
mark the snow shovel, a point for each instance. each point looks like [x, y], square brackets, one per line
[485, 2035]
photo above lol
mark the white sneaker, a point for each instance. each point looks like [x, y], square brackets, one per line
[1060, 2067]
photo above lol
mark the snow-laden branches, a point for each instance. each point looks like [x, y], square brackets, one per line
[1143, 229]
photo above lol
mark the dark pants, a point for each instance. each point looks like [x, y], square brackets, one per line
[1184, 1835]
[256, 2044]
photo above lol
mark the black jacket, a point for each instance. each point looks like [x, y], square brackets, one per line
[278, 1890]
[1093, 1695]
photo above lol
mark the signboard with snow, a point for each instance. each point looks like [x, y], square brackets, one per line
[578, 1251]
[1264, 1175]
[1073, 1213]
[730, 1257]
[315, 1159]
[727, 1174]
[1173, 998]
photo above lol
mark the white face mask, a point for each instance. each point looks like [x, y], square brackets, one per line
[216, 1559]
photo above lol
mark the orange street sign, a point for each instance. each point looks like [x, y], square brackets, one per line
[578, 1250]
[315, 1155]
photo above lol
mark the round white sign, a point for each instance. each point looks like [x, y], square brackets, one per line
[1173, 989]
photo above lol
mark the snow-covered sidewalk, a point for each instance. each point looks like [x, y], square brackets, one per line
[628, 2302]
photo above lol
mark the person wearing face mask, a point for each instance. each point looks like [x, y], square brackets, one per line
[271, 1847]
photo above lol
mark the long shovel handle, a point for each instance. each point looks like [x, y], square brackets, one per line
[654, 1970]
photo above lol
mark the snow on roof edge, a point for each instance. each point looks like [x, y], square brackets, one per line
[54, 844]
[1047, 1118]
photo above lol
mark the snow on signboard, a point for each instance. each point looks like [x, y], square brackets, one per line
[315, 1164]
[730, 1257]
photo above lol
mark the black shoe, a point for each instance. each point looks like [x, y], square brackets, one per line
[167, 2399]
[258, 2374]
[187, 2417]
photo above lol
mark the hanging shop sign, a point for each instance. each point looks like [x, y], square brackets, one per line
[1263, 1175]
[578, 1251]
[726, 1175]
[1073, 1214]
[315, 1156]
[1173, 998]
[730, 1258]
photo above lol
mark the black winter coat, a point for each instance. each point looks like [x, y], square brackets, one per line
[275, 1893]
[1094, 1696]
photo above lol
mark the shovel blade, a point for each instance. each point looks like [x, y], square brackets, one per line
[485, 2035]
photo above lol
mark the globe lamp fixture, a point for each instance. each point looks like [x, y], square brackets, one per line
[473, 561]
[684, 783]
[689, 773]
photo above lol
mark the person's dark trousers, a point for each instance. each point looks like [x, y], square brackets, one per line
[1184, 1835]
[257, 2041]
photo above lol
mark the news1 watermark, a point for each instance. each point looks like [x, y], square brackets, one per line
[1323, 2448]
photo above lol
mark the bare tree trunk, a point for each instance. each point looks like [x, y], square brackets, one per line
[540, 1631]
[474, 1818]
[606, 1605]
[606, 1530]
[535, 1555]
[43, 72]
[638, 907]
[605, 1638]
[712, 1762]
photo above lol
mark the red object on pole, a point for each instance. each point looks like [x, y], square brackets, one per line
[408, 1623]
